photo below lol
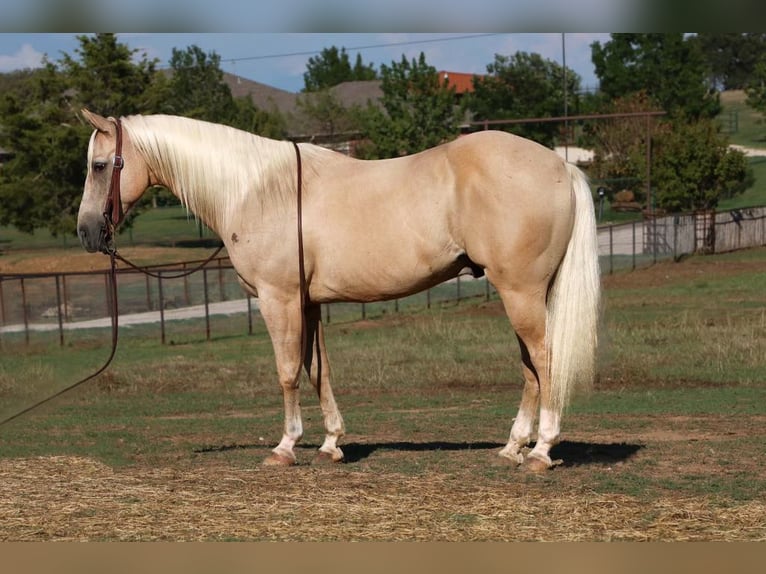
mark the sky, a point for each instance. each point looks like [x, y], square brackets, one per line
[279, 59]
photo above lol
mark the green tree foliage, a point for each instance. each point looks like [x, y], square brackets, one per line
[756, 87]
[418, 111]
[326, 114]
[105, 77]
[195, 87]
[524, 86]
[692, 164]
[620, 145]
[693, 167]
[42, 184]
[731, 57]
[248, 117]
[669, 67]
[333, 67]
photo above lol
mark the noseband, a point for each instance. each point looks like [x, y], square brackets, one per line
[113, 206]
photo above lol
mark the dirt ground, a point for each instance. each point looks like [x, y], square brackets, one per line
[81, 499]
[75, 259]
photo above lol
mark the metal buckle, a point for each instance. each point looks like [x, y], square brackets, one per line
[118, 162]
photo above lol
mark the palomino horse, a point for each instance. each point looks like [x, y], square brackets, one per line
[304, 225]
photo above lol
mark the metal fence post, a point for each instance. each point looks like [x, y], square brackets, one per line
[187, 296]
[25, 311]
[207, 302]
[149, 305]
[67, 316]
[221, 290]
[58, 310]
[634, 245]
[249, 315]
[162, 307]
[2, 303]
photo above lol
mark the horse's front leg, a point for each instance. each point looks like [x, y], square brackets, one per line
[284, 321]
[318, 367]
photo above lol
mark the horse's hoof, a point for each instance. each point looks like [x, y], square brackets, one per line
[276, 459]
[326, 458]
[537, 465]
[507, 457]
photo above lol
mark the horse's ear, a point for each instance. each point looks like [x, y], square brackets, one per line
[97, 121]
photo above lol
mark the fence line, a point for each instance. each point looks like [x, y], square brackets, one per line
[645, 242]
[66, 302]
[62, 302]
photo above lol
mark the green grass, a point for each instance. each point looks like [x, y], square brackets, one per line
[430, 391]
[165, 226]
[744, 125]
[755, 195]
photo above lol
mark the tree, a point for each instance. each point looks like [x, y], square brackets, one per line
[418, 111]
[252, 119]
[756, 87]
[106, 78]
[195, 87]
[327, 113]
[524, 86]
[333, 67]
[731, 57]
[42, 184]
[669, 67]
[693, 167]
[620, 145]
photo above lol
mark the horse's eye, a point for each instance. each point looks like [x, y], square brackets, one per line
[99, 166]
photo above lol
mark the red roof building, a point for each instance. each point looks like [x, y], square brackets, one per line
[462, 82]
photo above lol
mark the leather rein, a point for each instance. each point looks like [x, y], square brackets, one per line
[113, 215]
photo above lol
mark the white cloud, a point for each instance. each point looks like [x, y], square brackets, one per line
[25, 57]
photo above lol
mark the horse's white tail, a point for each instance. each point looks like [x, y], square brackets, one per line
[574, 302]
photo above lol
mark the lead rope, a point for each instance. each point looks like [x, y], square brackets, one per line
[303, 291]
[112, 294]
[113, 256]
[112, 215]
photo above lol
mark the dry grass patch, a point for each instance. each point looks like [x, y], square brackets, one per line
[70, 498]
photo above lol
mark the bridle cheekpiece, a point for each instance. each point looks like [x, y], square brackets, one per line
[113, 206]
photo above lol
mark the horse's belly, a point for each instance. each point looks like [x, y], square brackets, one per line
[382, 279]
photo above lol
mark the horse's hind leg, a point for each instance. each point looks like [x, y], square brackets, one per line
[523, 424]
[318, 367]
[527, 312]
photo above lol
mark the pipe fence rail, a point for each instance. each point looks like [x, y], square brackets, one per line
[56, 308]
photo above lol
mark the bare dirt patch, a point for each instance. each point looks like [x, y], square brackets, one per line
[75, 260]
[666, 273]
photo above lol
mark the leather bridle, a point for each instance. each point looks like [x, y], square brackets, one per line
[113, 213]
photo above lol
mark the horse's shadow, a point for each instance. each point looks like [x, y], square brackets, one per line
[573, 453]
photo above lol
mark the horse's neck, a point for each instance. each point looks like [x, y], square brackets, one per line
[216, 177]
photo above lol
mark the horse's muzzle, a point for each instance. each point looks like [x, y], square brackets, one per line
[94, 237]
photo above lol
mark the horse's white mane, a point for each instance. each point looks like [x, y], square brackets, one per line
[213, 168]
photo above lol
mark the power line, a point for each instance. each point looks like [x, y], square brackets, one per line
[355, 48]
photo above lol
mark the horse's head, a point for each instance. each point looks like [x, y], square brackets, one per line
[116, 180]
